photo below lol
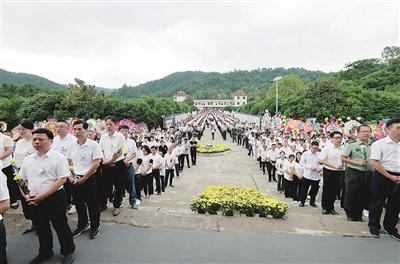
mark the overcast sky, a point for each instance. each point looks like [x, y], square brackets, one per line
[109, 44]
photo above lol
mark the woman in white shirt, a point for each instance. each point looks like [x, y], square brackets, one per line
[297, 177]
[24, 148]
[289, 167]
[280, 171]
[146, 172]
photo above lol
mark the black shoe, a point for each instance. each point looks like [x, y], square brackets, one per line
[351, 219]
[14, 205]
[39, 259]
[334, 212]
[171, 185]
[188, 166]
[69, 258]
[94, 232]
[80, 230]
[374, 233]
[301, 204]
[393, 234]
[275, 180]
[325, 212]
[313, 205]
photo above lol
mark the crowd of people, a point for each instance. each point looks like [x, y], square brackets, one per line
[80, 170]
[362, 172]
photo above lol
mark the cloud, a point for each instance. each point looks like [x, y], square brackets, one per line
[109, 44]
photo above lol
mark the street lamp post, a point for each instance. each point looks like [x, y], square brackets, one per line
[276, 80]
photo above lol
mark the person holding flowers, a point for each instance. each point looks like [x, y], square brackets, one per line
[62, 143]
[45, 172]
[115, 174]
[85, 156]
[24, 148]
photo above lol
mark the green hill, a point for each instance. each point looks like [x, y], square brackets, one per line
[19, 78]
[215, 85]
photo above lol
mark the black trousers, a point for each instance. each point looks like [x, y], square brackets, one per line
[280, 183]
[169, 174]
[263, 166]
[296, 183]
[11, 184]
[156, 177]
[26, 209]
[3, 243]
[304, 190]
[288, 188]
[384, 191]
[186, 156]
[193, 155]
[177, 170]
[116, 176]
[332, 182]
[138, 186]
[271, 170]
[181, 160]
[148, 186]
[86, 200]
[53, 210]
[68, 187]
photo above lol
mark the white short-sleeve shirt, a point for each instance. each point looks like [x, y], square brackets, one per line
[331, 154]
[42, 171]
[63, 145]
[387, 152]
[5, 142]
[23, 148]
[111, 145]
[4, 195]
[83, 155]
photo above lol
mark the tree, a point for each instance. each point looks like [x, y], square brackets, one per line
[390, 53]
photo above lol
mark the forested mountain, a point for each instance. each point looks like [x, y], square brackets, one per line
[368, 88]
[19, 78]
[215, 85]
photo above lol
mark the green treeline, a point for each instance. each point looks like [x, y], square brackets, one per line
[80, 100]
[369, 88]
[214, 85]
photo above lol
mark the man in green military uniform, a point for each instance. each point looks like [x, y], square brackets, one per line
[358, 174]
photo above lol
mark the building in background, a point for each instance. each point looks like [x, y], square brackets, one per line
[239, 99]
[180, 96]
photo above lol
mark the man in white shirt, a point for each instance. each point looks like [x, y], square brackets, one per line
[6, 149]
[85, 155]
[62, 143]
[272, 155]
[45, 173]
[312, 174]
[115, 174]
[131, 155]
[4, 206]
[333, 171]
[385, 157]
[264, 156]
